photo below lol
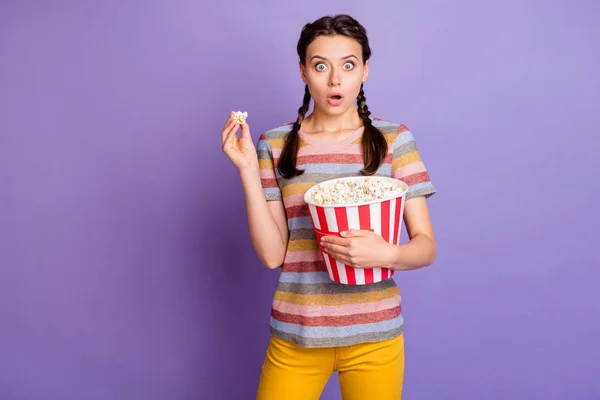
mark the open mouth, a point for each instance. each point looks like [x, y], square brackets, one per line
[335, 99]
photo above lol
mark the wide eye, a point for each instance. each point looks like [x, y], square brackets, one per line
[348, 66]
[320, 67]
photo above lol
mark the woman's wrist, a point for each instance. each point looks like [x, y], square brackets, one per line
[419, 252]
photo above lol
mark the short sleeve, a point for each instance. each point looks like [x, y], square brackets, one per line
[268, 177]
[408, 166]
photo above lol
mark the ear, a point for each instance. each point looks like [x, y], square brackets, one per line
[302, 72]
[366, 71]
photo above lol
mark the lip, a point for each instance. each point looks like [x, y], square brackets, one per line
[335, 102]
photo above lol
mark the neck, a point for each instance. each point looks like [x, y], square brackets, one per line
[318, 121]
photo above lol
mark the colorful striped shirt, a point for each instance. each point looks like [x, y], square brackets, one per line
[310, 309]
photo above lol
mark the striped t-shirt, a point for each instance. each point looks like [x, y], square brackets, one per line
[310, 309]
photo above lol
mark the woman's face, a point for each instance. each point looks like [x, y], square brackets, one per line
[334, 72]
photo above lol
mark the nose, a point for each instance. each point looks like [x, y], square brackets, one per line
[334, 79]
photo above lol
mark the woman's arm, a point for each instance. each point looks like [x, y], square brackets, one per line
[366, 249]
[421, 249]
[267, 222]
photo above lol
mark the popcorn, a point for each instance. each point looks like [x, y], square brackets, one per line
[240, 117]
[353, 192]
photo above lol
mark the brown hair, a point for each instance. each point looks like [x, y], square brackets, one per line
[374, 145]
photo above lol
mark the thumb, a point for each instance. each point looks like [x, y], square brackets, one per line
[246, 131]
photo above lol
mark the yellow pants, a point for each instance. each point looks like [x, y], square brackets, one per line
[365, 371]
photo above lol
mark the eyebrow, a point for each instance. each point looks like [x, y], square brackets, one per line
[343, 58]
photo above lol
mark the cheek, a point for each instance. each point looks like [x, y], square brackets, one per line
[356, 83]
[317, 88]
[356, 79]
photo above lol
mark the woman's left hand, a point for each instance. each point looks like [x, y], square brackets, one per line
[359, 248]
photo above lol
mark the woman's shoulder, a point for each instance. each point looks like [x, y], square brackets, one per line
[279, 132]
[387, 125]
[394, 132]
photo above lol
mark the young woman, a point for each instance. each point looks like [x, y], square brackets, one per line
[319, 326]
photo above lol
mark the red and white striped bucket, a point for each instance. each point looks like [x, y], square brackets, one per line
[382, 217]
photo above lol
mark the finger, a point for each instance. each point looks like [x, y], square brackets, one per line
[232, 136]
[246, 131]
[337, 249]
[356, 233]
[230, 124]
[342, 259]
[337, 256]
[228, 120]
[335, 240]
[227, 123]
[346, 260]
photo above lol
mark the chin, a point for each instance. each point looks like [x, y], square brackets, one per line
[334, 111]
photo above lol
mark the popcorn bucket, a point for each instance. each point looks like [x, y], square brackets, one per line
[383, 217]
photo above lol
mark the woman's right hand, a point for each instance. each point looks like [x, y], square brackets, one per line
[241, 151]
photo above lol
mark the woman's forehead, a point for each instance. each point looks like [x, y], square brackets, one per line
[333, 47]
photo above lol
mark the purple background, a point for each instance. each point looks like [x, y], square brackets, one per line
[127, 274]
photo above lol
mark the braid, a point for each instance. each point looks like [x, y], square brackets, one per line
[374, 144]
[303, 109]
[287, 161]
[363, 109]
